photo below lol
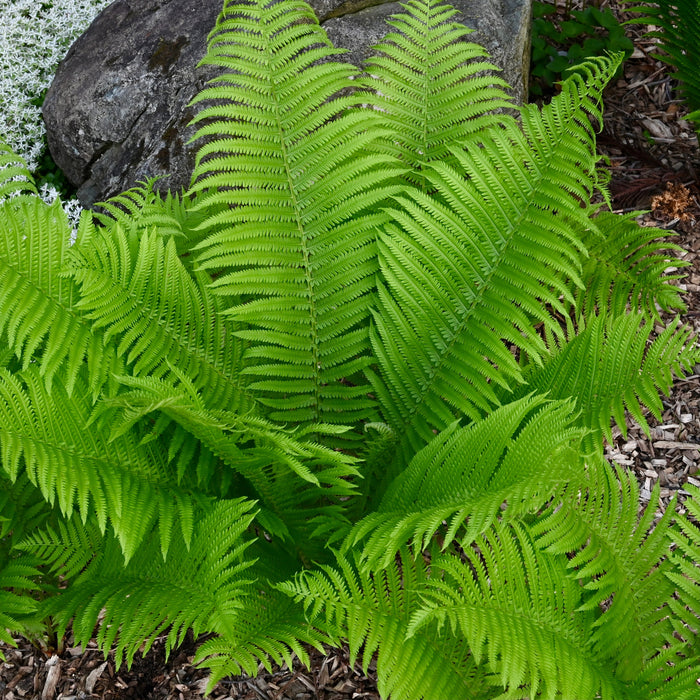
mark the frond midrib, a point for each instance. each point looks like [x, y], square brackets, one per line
[468, 314]
[303, 240]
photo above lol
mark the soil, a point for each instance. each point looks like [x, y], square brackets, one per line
[654, 163]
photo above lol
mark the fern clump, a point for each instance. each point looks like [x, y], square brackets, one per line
[353, 386]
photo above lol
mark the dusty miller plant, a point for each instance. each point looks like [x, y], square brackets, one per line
[353, 386]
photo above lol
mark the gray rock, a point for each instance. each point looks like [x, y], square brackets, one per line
[117, 111]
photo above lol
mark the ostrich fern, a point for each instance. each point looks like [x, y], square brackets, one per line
[353, 386]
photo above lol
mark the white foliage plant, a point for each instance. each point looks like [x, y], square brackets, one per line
[34, 38]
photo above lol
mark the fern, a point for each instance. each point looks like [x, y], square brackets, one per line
[485, 259]
[629, 274]
[195, 588]
[431, 87]
[38, 315]
[519, 455]
[374, 614]
[297, 235]
[15, 178]
[678, 29]
[387, 319]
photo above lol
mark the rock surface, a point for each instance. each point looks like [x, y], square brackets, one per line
[117, 111]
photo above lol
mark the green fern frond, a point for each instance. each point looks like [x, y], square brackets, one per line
[519, 455]
[685, 537]
[39, 318]
[433, 89]
[296, 237]
[671, 675]
[269, 628]
[67, 546]
[479, 265]
[626, 268]
[372, 611]
[142, 208]
[610, 367]
[199, 587]
[15, 177]
[618, 558]
[519, 612]
[677, 25]
[139, 295]
[17, 582]
[300, 484]
[121, 481]
[22, 508]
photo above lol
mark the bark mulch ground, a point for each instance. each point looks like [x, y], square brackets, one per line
[655, 163]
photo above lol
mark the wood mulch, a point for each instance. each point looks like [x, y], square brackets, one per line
[655, 162]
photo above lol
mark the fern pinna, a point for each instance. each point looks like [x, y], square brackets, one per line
[353, 386]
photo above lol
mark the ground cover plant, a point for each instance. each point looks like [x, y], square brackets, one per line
[34, 38]
[352, 386]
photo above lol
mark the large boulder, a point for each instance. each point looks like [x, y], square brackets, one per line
[117, 111]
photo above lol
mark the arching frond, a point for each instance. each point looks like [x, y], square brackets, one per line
[140, 296]
[685, 537]
[519, 612]
[372, 611]
[299, 483]
[610, 367]
[618, 558]
[39, 317]
[120, 480]
[269, 627]
[198, 587]
[626, 269]
[142, 209]
[296, 239]
[483, 262]
[15, 178]
[23, 509]
[518, 456]
[432, 88]
[16, 603]
[67, 546]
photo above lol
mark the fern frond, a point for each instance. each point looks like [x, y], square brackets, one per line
[301, 484]
[16, 603]
[610, 367]
[22, 508]
[519, 455]
[473, 270]
[685, 537]
[15, 177]
[677, 25]
[373, 613]
[142, 208]
[432, 88]
[269, 628]
[39, 318]
[140, 296]
[520, 615]
[626, 269]
[119, 480]
[197, 587]
[619, 559]
[671, 675]
[67, 546]
[296, 237]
